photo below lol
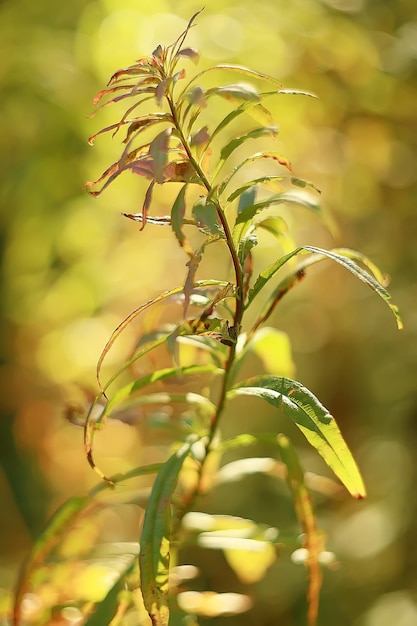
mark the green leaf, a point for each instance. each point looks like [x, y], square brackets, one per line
[314, 421]
[239, 91]
[229, 148]
[268, 273]
[342, 260]
[105, 610]
[360, 273]
[155, 539]
[205, 214]
[273, 348]
[177, 216]
[159, 150]
[43, 546]
[246, 244]
[275, 156]
[128, 390]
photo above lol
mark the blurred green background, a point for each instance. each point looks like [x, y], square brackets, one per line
[72, 267]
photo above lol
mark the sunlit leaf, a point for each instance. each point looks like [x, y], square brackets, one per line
[155, 539]
[314, 421]
[358, 272]
[239, 91]
[108, 607]
[210, 604]
[297, 92]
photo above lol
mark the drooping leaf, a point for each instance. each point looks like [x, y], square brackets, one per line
[140, 309]
[189, 53]
[257, 111]
[312, 538]
[239, 69]
[155, 540]
[170, 372]
[358, 272]
[314, 421]
[280, 198]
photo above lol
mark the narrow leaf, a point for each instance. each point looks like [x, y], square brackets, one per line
[314, 421]
[155, 539]
[229, 148]
[276, 156]
[239, 91]
[360, 273]
[177, 217]
[128, 390]
[158, 151]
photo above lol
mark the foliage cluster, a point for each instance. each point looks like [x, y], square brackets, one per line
[217, 203]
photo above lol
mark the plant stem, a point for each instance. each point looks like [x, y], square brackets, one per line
[239, 309]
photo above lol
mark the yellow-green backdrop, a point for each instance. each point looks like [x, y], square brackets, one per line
[72, 267]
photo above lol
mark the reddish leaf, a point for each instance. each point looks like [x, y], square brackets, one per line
[146, 204]
[189, 53]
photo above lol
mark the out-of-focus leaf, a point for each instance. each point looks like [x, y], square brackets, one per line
[170, 372]
[158, 151]
[297, 92]
[239, 69]
[210, 604]
[280, 198]
[43, 546]
[250, 562]
[205, 215]
[105, 610]
[273, 348]
[314, 421]
[189, 53]
[155, 539]
[312, 538]
[239, 91]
